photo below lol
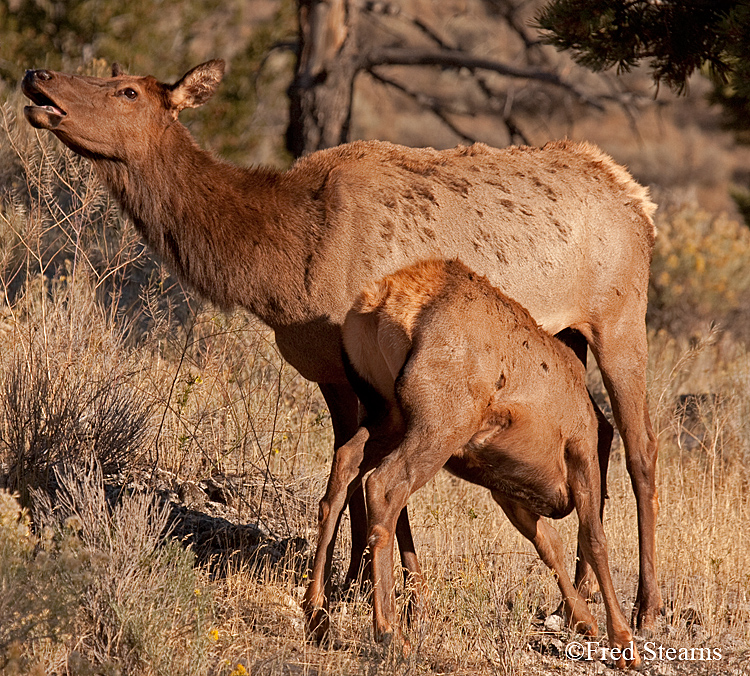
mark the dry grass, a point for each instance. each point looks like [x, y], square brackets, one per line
[103, 356]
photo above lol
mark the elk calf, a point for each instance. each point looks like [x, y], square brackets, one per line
[454, 374]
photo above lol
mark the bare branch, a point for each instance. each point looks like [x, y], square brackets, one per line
[514, 131]
[450, 58]
[426, 102]
[509, 11]
[390, 9]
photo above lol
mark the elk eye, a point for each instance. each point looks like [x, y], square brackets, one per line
[130, 93]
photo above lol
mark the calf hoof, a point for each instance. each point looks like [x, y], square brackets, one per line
[584, 624]
[629, 658]
[586, 628]
[579, 617]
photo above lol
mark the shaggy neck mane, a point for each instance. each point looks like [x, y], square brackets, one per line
[217, 225]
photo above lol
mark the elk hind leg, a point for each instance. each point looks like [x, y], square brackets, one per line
[622, 355]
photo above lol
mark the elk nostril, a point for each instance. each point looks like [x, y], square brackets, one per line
[43, 75]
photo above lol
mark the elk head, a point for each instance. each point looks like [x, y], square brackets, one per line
[120, 117]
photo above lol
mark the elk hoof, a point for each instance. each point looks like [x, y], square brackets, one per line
[644, 618]
[317, 624]
[385, 639]
[394, 640]
[645, 624]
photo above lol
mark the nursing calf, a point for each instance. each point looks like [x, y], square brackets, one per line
[454, 374]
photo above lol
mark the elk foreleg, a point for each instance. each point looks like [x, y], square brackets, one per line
[344, 479]
[548, 545]
[343, 406]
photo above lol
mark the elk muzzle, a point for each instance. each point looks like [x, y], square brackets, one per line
[45, 113]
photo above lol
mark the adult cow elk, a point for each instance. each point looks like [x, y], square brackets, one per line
[562, 229]
[453, 373]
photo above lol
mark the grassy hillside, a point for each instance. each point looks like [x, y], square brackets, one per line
[104, 356]
[130, 410]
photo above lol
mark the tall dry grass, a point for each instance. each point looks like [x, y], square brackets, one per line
[113, 375]
[108, 363]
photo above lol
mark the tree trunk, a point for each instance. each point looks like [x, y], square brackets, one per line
[327, 65]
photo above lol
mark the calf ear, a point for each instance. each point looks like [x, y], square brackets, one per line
[197, 85]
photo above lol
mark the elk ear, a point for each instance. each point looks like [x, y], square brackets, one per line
[117, 70]
[197, 85]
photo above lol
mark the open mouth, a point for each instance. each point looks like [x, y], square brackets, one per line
[45, 114]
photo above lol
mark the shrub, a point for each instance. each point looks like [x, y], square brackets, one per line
[141, 605]
[68, 393]
[38, 588]
[699, 273]
[104, 574]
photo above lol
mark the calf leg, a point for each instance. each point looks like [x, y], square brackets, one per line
[583, 478]
[549, 547]
[343, 406]
[388, 488]
[413, 578]
[585, 580]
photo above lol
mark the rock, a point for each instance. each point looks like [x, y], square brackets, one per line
[191, 495]
[556, 647]
[554, 623]
[223, 489]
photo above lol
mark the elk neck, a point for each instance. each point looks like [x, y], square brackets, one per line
[238, 236]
